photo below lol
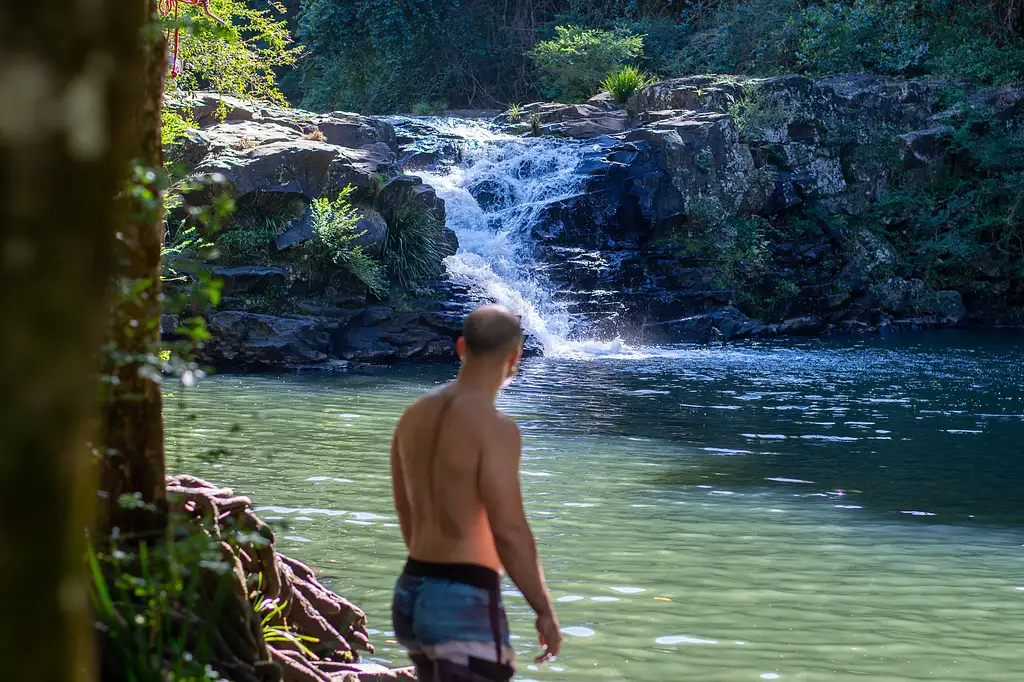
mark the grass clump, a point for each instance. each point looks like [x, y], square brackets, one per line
[624, 82]
[514, 114]
[415, 248]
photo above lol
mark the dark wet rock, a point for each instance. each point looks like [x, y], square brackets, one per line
[579, 121]
[384, 335]
[250, 279]
[913, 298]
[605, 101]
[252, 342]
[694, 93]
[925, 153]
[373, 232]
[720, 325]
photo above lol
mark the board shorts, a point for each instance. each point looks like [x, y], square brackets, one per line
[451, 619]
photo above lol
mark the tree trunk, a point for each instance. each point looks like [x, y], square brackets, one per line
[131, 442]
[69, 85]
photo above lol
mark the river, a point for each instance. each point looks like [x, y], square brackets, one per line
[817, 510]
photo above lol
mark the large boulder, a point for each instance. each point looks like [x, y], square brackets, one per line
[579, 121]
[914, 298]
[244, 341]
[409, 194]
[702, 157]
[383, 335]
[302, 166]
[251, 279]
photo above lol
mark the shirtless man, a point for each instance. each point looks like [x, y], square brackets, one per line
[455, 475]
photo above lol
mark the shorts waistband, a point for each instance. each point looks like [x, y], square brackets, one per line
[469, 574]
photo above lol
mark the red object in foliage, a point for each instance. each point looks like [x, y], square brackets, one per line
[166, 6]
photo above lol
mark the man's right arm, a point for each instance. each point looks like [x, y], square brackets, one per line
[517, 549]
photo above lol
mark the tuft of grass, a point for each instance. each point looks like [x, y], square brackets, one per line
[315, 134]
[514, 114]
[415, 247]
[245, 142]
[624, 82]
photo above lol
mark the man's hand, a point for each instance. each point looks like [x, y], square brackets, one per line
[550, 637]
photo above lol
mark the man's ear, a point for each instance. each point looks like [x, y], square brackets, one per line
[460, 348]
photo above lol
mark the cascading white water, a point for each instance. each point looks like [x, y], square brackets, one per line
[494, 198]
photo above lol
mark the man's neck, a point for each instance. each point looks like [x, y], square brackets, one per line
[486, 379]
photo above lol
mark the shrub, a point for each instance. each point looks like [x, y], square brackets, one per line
[624, 82]
[335, 244]
[869, 35]
[415, 248]
[573, 64]
[514, 114]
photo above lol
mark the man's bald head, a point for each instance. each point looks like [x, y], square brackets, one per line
[492, 330]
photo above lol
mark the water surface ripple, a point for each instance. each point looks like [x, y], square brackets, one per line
[811, 512]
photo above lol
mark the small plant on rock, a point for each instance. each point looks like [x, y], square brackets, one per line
[316, 135]
[624, 82]
[514, 113]
[335, 239]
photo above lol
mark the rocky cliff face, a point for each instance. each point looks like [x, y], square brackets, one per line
[277, 313]
[761, 195]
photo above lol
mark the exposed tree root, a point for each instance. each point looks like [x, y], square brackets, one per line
[332, 630]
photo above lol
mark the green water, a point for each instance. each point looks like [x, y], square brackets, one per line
[813, 512]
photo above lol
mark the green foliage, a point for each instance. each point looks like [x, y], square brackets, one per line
[383, 56]
[624, 82]
[756, 112]
[573, 64]
[153, 608]
[750, 36]
[964, 231]
[238, 57]
[273, 625]
[514, 113]
[248, 244]
[433, 107]
[173, 126]
[878, 36]
[335, 243]
[415, 248]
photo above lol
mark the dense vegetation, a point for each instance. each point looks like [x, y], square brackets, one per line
[382, 56]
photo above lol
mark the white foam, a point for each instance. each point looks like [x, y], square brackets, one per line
[683, 639]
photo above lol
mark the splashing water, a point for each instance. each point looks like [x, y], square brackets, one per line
[494, 199]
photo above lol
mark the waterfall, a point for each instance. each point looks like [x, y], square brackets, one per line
[494, 195]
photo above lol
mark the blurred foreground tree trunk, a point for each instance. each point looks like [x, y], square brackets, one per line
[131, 441]
[70, 75]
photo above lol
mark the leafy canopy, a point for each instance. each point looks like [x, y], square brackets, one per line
[238, 57]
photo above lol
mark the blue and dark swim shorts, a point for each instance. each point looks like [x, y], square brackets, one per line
[451, 619]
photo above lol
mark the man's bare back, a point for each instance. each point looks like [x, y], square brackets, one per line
[455, 475]
[442, 441]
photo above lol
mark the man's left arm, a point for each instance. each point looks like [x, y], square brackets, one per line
[398, 489]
